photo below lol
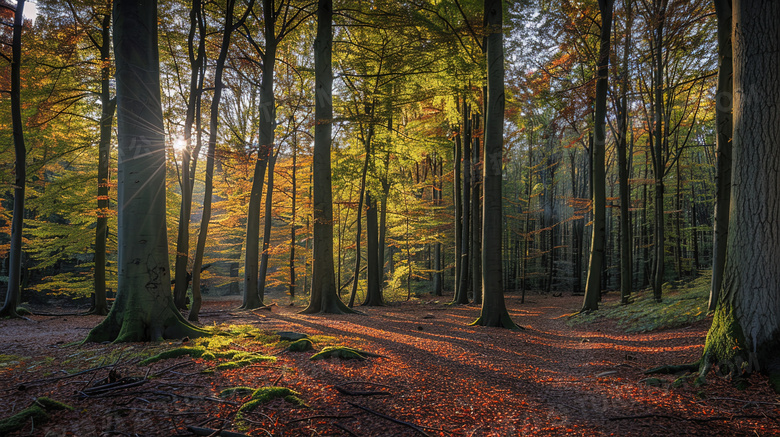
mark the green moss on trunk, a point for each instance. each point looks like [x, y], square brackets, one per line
[725, 341]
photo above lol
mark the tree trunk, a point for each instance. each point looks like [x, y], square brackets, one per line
[659, 162]
[596, 263]
[466, 210]
[292, 219]
[20, 167]
[626, 254]
[745, 332]
[144, 308]
[108, 106]
[724, 124]
[324, 295]
[494, 312]
[267, 221]
[373, 287]
[361, 194]
[458, 297]
[476, 219]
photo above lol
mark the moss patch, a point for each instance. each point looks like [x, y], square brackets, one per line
[266, 394]
[301, 345]
[683, 304]
[38, 411]
[342, 352]
[239, 391]
[725, 339]
[194, 352]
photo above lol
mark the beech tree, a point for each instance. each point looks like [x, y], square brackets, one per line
[494, 312]
[20, 153]
[144, 308]
[746, 325]
[324, 295]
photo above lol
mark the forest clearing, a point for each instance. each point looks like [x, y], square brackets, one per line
[434, 372]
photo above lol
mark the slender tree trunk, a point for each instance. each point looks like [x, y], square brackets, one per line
[324, 295]
[596, 263]
[456, 195]
[723, 123]
[373, 288]
[359, 231]
[108, 107]
[626, 254]
[267, 221]
[745, 332]
[475, 255]
[144, 308]
[494, 312]
[20, 167]
[200, 247]
[660, 168]
[466, 210]
[197, 59]
[292, 219]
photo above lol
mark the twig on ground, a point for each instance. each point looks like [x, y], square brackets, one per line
[214, 432]
[692, 419]
[320, 416]
[345, 429]
[392, 419]
[348, 392]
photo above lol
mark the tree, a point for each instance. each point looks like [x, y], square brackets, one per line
[596, 264]
[20, 167]
[745, 332]
[324, 295]
[144, 308]
[494, 312]
[723, 123]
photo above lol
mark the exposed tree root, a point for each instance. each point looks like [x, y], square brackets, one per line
[672, 369]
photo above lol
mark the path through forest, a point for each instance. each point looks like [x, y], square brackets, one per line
[438, 373]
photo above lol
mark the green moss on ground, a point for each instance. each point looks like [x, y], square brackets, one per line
[266, 394]
[342, 352]
[683, 304]
[194, 352]
[38, 412]
[301, 345]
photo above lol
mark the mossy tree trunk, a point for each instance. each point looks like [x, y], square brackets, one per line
[494, 312]
[324, 295]
[745, 333]
[144, 308]
[20, 154]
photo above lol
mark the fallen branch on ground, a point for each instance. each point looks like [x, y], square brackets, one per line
[392, 419]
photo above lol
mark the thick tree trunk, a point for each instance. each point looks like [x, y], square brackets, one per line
[20, 167]
[324, 295]
[724, 124]
[144, 308]
[596, 263]
[745, 332]
[108, 106]
[494, 312]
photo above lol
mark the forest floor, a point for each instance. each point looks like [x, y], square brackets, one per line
[435, 375]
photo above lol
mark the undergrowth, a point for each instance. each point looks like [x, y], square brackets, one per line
[683, 304]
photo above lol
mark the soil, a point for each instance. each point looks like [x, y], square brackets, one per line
[435, 375]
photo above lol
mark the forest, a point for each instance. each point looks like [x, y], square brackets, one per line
[222, 184]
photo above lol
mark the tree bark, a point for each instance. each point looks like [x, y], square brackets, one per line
[724, 125]
[745, 332]
[596, 263]
[188, 164]
[20, 167]
[465, 204]
[494, 312]
[324, 295]
[658, 157]
[144, 308]
[626, 254]
[373, 287]
[267, 221]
